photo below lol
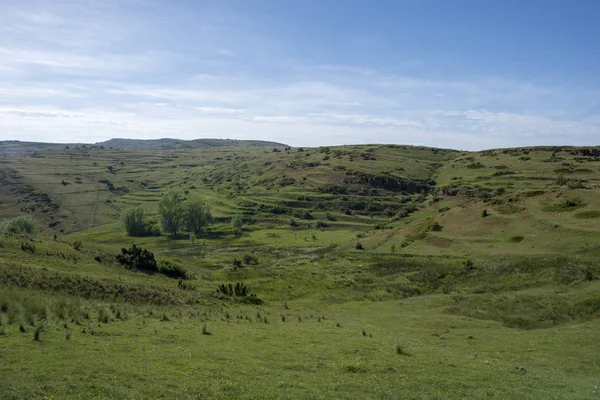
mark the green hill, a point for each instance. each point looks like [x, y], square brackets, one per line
[16, 148]
[373, 271]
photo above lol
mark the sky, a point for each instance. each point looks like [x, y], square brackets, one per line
[462, 74]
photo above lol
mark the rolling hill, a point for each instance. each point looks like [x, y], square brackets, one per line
[377, 271]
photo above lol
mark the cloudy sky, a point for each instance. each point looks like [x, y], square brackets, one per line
[460, 74]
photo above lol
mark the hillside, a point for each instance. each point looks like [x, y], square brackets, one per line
[16, 148]
[377, 271]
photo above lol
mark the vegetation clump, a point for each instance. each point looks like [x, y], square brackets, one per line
[240, 291]
[21, 225]
[173, 270]
[138, 259]
[176, 212]
[136, 225]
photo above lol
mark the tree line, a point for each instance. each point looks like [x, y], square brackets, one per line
[175, 213]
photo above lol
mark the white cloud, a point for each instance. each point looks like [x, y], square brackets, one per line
[71, 71]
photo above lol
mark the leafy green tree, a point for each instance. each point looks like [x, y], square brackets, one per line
[133, 220]
[171, 212]
[237, 222]
[196, 215]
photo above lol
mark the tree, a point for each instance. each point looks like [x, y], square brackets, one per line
[171, 212]
[133, 220]
[196, 215]
[237, 222]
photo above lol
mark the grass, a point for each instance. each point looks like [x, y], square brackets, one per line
[436, 302]
[587, 214]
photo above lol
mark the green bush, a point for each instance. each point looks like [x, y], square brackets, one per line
[135, 224]
[321, 224]
[173, 270]
[21, 225]
[137, 258]
[250, 259]
[241, 292]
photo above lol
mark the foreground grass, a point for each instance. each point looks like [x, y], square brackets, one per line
[350, 353]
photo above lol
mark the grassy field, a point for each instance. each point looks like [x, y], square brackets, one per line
[379, 271]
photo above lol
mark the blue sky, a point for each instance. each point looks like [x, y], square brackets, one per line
[460, 74]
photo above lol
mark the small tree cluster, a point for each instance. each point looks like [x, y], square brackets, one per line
[175, 213]
[136, 225]
[137, 258]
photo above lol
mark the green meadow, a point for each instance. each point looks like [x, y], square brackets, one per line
[374, 271]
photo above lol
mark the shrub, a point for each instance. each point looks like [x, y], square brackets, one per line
[358, 246]
[516, 239]
[307, 215]
[400, 351]
[77, 245]
[237, 222]
[475, 165]
[21, 225]
[250, 259]
[321, 224]
[239, 290]
[484, 213]
[173, 270]
[28, 247]
[137, 258]
[38, 332]
[135, 225]
[572, 202]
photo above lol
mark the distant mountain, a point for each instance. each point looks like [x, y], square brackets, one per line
[16, 148]
[172, 144]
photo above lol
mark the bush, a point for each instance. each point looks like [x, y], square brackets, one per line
[28, 247]
[321, 224]
[307, 215]
[21, 225]
[239, 290]
[137, 258]
[484, 213]
[359, 246]
[237, 222]
[135, 225]
[250, 259]
[173, 270]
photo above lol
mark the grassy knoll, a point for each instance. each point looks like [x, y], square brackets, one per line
[371, 271]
